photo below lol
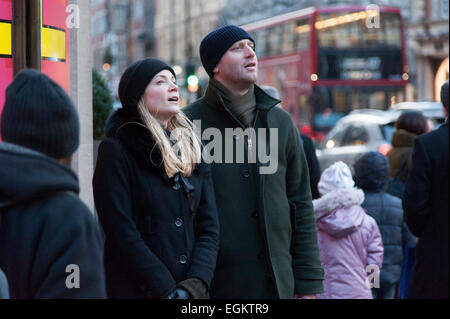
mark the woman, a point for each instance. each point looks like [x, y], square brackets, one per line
[156, 205]
[409, 125]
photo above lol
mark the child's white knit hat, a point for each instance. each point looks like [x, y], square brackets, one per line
[336, 176]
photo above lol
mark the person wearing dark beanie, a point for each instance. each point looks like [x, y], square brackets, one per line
[154, 197]
[38, 114]
[47, 234]
[216, 43]
[135, 80]
[276, 223]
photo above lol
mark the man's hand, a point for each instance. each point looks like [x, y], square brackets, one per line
[304, 296]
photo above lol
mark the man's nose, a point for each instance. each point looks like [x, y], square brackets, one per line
[249, 52]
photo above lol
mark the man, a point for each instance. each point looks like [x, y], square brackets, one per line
[50, 244]
[268, 235]
[425, 203]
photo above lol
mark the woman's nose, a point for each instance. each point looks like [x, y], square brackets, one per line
[173, 87]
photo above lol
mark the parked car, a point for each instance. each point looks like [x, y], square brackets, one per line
[359, 132]
[365, 130]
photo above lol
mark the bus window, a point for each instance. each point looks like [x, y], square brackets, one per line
[301, 35]
[288, 38]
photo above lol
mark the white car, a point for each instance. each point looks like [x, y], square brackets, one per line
[365, 130]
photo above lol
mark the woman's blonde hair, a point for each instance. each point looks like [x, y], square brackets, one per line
[181, 156]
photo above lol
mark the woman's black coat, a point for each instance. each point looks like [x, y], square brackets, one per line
[159, 231]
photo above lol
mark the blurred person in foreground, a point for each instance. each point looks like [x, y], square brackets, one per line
[349, 239]
[268, 246]
[425, 203]
[372, 176]
[50, 244]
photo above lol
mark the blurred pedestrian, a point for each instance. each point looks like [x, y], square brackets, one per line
[372, 176]
[349, 239]
[155, 203]
[268, 245]
[313, 165]
[4, 289]
[409, 125]
[50, 244]
[425, 203]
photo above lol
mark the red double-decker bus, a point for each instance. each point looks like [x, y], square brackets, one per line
[328, 61]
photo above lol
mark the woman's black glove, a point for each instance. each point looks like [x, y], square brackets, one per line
[179, 293]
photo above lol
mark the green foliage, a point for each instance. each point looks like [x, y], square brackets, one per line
[102, 102]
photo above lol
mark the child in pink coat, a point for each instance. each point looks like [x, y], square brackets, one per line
[349, 239]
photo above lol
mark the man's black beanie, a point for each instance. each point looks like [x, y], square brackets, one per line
[216, 43]
[38, 114]
[135, 80]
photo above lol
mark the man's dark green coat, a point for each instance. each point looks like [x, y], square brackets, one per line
[268, 243]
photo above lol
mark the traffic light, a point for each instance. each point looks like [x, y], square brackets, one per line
[191, 79]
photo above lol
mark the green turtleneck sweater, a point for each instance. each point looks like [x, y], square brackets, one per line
[243, 107]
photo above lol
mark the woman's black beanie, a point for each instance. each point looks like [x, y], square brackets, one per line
[135, 80]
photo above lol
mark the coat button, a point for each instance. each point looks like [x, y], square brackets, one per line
[246, 174]
[183, 259]
[178, 222]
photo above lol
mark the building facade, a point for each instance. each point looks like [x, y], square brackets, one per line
[427, 40]
[122, 32]
[180, 25]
